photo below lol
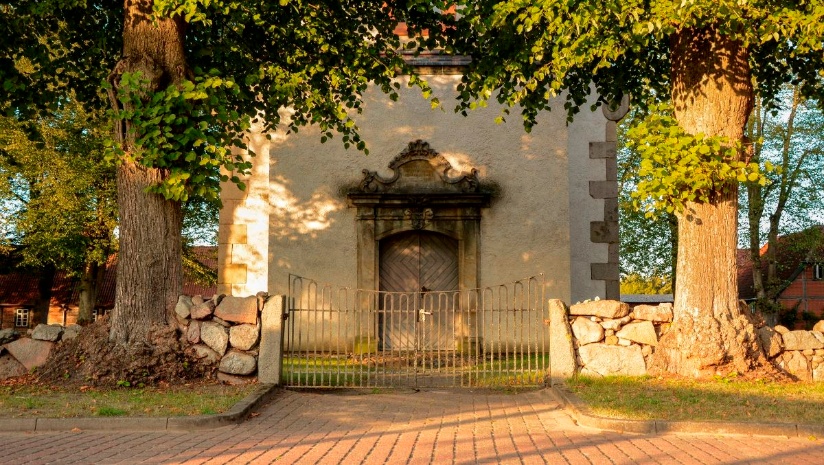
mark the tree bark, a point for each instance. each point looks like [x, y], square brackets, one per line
[672, 225]
[712, 94]
[149, 271]
[90, 283]
[45, 282]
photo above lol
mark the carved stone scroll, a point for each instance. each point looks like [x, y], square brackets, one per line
[420, 168]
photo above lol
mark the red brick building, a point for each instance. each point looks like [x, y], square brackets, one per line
[800, 272]
[20, 296]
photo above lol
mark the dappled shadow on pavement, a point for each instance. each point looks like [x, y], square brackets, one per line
[440, 426]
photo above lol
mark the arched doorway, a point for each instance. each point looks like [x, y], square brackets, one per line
[419, 273]
[418, 235]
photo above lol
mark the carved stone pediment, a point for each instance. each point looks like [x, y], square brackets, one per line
[419, 169]
[424, 193]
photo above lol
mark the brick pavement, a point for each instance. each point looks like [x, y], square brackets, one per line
[405, 427]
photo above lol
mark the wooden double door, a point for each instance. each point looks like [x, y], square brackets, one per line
[418, 279]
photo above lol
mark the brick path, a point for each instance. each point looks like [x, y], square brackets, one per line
[405, 427]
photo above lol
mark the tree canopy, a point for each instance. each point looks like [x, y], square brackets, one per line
[526, 52]
[705, 60]
[183, 81]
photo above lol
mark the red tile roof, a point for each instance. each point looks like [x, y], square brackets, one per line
[18, 288]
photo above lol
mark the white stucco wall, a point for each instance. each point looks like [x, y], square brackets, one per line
[295, 208]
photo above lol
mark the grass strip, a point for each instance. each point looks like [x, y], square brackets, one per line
[27, 401]
[718, 399]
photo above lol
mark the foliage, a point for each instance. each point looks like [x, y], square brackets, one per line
[648, 244]
[200, 221]
[525, 52]
[247, 60]
[788, 146]
[186, 129]
[786, 134]
[637, 284]
[59, 188]
[314, 58]
[57, 191]
[51, 49]
[262, 64]
[195, 268]
[677, 167]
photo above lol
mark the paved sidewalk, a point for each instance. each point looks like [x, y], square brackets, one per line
[406, 427]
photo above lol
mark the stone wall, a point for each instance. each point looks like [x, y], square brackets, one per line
[600, 338]
[610, 339]
[800, 353]
[223, 331]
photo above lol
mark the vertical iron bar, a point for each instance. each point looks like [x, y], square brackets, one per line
[321, 353]
[520, 363]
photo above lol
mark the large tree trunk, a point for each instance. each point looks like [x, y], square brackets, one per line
[712, 94]
[149, 272]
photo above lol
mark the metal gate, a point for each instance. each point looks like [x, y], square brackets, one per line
[343, 337]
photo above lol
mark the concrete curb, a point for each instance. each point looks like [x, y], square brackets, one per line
[583, 417]
[237, 414]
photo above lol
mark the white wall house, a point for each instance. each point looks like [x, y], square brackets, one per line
[492, 202]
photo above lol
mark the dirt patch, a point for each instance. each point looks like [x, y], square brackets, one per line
[92, 360]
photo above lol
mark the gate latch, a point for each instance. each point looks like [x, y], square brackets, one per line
[423, 314]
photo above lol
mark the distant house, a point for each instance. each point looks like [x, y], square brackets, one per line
[18, 298]
[800, 272]
[19, 294]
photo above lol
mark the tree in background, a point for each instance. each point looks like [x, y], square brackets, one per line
[789, 134]
[61, 196]
[634, 283]
[185, 80]
[200, 228]
[710, 57]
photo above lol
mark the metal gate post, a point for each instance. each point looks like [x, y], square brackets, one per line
[270, 357]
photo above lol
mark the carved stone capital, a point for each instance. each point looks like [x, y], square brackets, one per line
[418, 216]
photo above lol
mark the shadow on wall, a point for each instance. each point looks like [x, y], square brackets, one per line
[298, 219]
